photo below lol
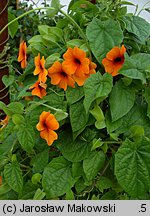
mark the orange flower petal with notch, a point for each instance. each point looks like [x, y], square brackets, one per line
[59, 76]
[75, 61]
[46, 125]
[39, 89]
[49, 135]
[51, 122]
[114, 60]
[22, 57]
[40, 68]
[80, 80]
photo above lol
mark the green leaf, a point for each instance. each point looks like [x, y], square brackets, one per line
[80, 186]
[50, 40]
[28, 191]
[96, 143]
[13, 176]
[39, 194]
[35, 39]
[77, 170]
[40, 161]
[13, 28]
[135, 66]
[4, 188]
[55, 4]
[36, 178]
[78, 116]
[16, 107]
[74, 94]
[43, 29]
[75, 42]
[138, 26]
[99, 116]
[51, 59]
[103, 36]
[127, 3]
[70, 195]
[8, 80]
[121, 100]
[136, 116]
[18, 119]
[8, 144]
[97, 86]
[57, 178]
[103, 183]
[58, 32]
[132, 167]
[93, 164]
[51, 12]
[3, 161]
[74, 151]
[147, 98]
[60, 115]
[5, 109]
[38, 48]
[26, 137]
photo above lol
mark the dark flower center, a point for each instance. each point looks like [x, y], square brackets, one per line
[118, 59]
[45, 125]
[41, 68]
[63, 74]
[77, 61]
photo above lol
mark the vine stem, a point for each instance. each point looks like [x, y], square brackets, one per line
[143, 8]
[80, 30]
[24, 14]
[42, 104]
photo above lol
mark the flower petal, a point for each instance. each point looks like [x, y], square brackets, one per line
[51, 122]
[41, 124]
[49, 136]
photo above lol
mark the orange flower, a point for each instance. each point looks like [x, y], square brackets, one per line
[4, 122]
[47, 124]
[40, 69]
[76, 63]
[80, 80]
[39, 89]
[114, 60]
[92, 67]
[59, 76]
[22, 54]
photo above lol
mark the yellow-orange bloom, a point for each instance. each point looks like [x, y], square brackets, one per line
[46, 125]
[59, 76]
[76, 63]
[40, 69]
[39, 89]
[22, 57]
[4, 122]
[114, 60]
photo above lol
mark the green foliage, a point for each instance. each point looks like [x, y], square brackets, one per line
[55, 176]
[97, 87]
[13, 176]
[103, 36]
[121, 100]
[102, 144]
[132, 167]
[26, 137]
